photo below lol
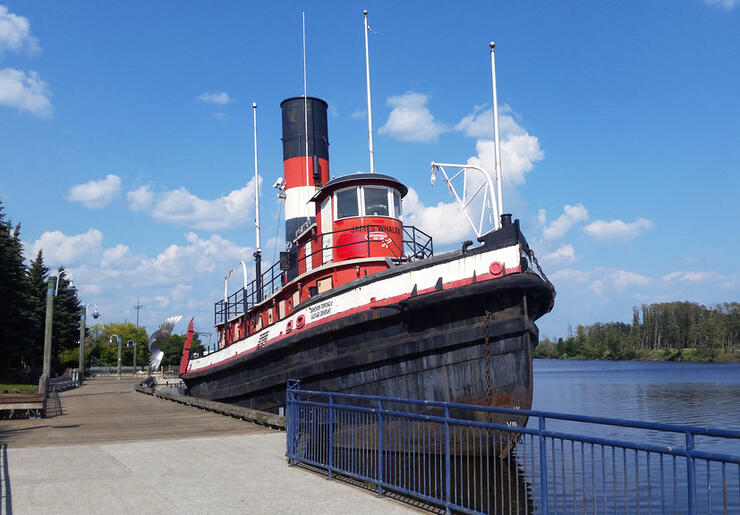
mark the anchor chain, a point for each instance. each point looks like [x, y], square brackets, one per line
[530, 252]
[487, 357]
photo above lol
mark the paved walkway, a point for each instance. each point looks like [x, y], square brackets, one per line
[118, 451]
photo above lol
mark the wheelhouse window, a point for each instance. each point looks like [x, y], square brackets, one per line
[346, 201]
[376, 201]
[396, 204]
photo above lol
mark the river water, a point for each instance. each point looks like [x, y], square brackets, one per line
[697, 394]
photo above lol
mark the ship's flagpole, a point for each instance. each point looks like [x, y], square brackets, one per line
[305, 96]
[369, 104]
[497, 143]
[258, 251]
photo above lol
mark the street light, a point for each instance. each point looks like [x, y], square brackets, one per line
[128, 345]
[95, 315]
[51, 292]
[110, 342]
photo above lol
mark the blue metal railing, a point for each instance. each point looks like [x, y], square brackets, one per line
[474, 459]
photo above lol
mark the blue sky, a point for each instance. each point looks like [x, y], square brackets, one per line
[126, 137]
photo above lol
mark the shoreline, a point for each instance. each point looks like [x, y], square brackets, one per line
[685, 355]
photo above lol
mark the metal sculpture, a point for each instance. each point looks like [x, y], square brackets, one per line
[158, 338]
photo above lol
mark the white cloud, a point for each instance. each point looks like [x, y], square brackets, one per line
[221, 117]
[619, 281]
[570, 275]
[180, 207]
[96, 194]
[570, 217]
[617, 229]
[445, 222]
[140, 199]
[214, 98]
[25, 92]
[722, 4]
[68, 251]
[360, 113]
[410, 120]
[15, 33]
[519, 149]
[692, 277]
[563, 254]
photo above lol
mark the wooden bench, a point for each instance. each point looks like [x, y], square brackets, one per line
[31, 405]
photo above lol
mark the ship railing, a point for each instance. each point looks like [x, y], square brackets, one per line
[416, 245]
[476, 459]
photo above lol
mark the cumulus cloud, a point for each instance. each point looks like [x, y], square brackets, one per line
[214, 98]
[221, 117]
[570, 217]
[180, 207]
[15, 33]
[25, 92]
[619, 281]
[445, 221]
[96, 194]
[62, 250]
[563, 254]
[140, 199]
[360, 114]
[722, 4]
[519, 149]
[411, 120]
[617, 230]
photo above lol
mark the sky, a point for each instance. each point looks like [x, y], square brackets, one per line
[126, 141]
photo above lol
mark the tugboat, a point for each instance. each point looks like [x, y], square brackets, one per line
[359, 303]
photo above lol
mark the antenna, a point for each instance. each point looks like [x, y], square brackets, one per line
[305, 97]
[497, 143]
[138, 308]
[369, 104]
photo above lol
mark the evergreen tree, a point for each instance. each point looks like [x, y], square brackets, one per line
[37, 275]
[15, 307]
[66, 325]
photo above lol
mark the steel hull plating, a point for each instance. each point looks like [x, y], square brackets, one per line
[470, 344]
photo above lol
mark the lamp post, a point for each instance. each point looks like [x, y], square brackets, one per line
[118, 340]
[128, 345]
[51, 292]
[95, 315]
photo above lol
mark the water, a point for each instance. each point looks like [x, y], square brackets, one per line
[697, 394]
[706, 395]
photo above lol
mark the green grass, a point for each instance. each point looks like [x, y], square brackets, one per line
[19, 388]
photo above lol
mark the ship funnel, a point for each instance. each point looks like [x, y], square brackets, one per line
[305, 160]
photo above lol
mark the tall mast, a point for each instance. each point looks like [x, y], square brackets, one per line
[258, 252]
[369, 104]
[496, 140]
[305, 97]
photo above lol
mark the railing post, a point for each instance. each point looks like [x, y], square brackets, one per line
[691, 472]
[331, 435]
[448, 488]
[379, 468]
[543, 466]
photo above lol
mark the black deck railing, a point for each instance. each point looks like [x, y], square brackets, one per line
[416, 245]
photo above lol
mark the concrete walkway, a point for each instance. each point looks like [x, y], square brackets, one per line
[118, 451]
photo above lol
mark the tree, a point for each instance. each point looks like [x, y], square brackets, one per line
[37, 276]
[15, 307]
[173, 348]
[66, 325]
[101, 351]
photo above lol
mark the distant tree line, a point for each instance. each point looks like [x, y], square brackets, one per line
[664, 331]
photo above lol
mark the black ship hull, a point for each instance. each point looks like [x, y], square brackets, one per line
[469, 344]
